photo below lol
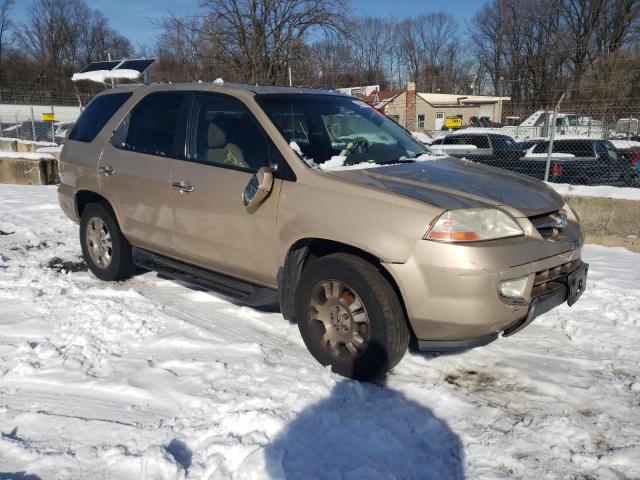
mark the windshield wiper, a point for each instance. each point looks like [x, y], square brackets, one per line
[397, 160]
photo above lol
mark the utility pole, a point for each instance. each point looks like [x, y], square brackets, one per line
[113, 84]
[552, 136]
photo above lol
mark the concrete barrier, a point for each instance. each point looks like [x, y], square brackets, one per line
[24, 171]
[608, 221]
[8, 145]
[25, 147]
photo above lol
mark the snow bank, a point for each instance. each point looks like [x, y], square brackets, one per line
[26, 155]
[447, 148]
[553, 155]
[620, 193]
[56, 149]
[28, 142]
[149, 379]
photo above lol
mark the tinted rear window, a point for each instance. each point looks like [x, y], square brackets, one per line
[97, 113]
[577, 148]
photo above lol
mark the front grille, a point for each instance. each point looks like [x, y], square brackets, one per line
[549, 225]
[550, 279]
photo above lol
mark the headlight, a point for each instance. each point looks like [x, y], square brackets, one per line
[571, 212]
[472, 225]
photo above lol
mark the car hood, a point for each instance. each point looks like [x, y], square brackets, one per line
[451, 183]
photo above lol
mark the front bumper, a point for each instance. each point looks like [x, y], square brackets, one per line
[452, 300]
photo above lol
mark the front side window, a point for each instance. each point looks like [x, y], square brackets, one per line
[577, 148]
[153, 126]
[479, 141]
[222, 131]
[96, 115]
[327, 126]
[504, 143]
[420, 121]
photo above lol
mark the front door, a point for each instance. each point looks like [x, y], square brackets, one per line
[213, 229]
[439, 123]
[135, 169]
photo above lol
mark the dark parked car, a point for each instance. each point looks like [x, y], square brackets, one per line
[489, 148]
[527, 144]
[583, 161]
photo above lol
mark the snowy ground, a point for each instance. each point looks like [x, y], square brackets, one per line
[149, 379]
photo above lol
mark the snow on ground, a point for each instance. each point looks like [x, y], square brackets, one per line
[150, 379]
[620, 193]
[544, 155]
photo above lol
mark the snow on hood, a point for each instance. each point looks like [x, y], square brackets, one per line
[337, 161]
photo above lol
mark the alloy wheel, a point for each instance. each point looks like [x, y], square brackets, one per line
[99, 243]
[339, 319]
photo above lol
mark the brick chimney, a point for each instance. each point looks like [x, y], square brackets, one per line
[411, 106]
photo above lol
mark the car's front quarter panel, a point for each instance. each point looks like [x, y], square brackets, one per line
[383, 224]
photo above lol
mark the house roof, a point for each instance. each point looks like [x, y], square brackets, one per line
[380, 98]
[443, 99]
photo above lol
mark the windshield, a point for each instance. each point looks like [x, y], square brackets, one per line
[327, 127]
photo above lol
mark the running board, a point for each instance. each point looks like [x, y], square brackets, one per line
[245, 292]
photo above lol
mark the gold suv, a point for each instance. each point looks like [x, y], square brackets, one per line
[313, 200]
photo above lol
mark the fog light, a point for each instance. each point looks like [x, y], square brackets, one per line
[514, 288]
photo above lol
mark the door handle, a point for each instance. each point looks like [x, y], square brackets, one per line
[182, 187]
[106, 170]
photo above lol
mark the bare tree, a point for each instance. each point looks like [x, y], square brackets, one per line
[260, 36]
[5, 26]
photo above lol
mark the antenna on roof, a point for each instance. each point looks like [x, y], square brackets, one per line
[127, 69]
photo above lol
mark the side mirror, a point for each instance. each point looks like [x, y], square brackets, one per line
[257, 189]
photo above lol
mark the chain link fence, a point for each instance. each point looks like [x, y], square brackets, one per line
[595, 144]
[39, 125]
[579, 146]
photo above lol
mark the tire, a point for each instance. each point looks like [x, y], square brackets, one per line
[353, 282]
[117, 263]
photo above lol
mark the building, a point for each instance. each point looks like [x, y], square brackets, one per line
[429, 111]
[379, 98]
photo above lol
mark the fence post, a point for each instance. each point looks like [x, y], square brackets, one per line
[16, 126]
[33, 126]
[552, 136]
[53, 126]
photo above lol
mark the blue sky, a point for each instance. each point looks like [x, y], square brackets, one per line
[134, 18]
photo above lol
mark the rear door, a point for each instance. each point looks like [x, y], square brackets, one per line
[213, 229]
[135, 168]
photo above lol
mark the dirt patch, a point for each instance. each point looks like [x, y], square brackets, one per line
[66, 266]
[471, 379]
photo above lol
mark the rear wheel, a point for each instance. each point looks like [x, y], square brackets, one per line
[350, 317]
[106, 252]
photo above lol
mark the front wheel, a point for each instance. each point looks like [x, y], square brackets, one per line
[350, 317]
[106, 251]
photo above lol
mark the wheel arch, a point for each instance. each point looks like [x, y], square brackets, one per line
[85, 197]
[304, 251]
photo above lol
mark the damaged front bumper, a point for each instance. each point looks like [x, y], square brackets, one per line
[570, 288]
